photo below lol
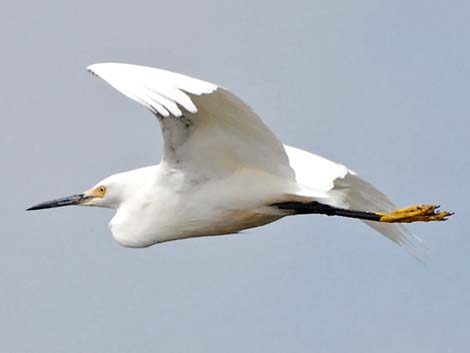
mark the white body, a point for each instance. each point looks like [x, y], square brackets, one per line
[222, 167]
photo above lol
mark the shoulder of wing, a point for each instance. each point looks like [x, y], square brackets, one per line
[314, 171]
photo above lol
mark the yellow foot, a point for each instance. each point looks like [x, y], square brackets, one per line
[416, 213]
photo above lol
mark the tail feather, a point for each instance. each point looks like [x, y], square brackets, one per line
[361, 195]
[332, 184]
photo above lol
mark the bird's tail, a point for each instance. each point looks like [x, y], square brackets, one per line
[361, 195]
[361, 200]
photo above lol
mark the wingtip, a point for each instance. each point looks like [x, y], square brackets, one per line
[93, 68]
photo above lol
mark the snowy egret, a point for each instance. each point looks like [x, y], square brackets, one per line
[224, 171]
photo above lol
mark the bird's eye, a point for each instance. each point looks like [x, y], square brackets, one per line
[102, 190]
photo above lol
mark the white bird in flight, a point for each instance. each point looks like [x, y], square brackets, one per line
[224, 171]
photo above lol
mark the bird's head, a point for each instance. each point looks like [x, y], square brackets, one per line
[106, 193]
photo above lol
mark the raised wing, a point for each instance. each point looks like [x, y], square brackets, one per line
[206, 128]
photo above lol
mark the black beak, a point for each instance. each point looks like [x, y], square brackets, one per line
[65, 201]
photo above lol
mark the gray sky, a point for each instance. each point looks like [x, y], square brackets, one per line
[382, 86]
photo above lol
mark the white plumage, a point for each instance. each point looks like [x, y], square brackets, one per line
[234, 141]
[222, 170]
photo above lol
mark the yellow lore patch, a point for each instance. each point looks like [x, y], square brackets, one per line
[97, 192]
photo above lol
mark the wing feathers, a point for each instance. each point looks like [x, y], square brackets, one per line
[343, 188]
[209, 130]
[166, 91]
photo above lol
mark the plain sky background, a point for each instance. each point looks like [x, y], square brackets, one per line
[382, 86]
